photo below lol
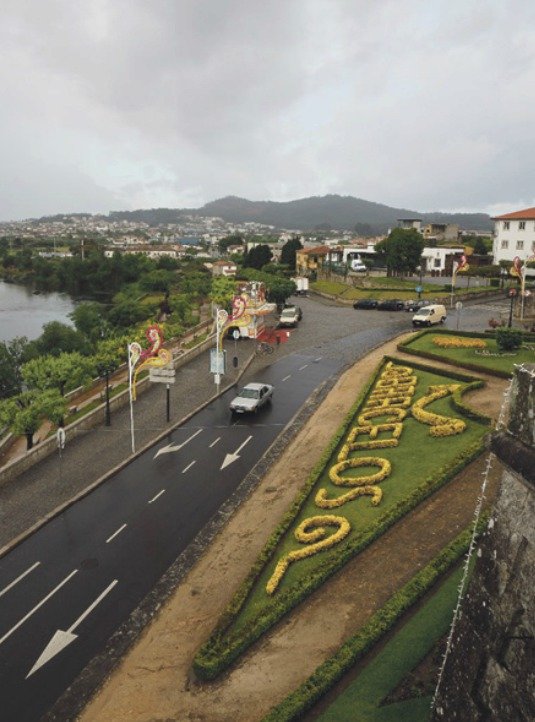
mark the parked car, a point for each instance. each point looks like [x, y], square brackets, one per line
[429, 315]
[391, 304]
[366, 303]
[251, 398]
[290, 316]
[415, 305]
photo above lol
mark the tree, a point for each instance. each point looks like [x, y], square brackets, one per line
[223, 290]
[401, 250]
[24, 414]
[59, 338]
[278, 289]
[88, 318]
[66, 371]
[289, 250]
[480, 247]
[11, 355]
[258, 256]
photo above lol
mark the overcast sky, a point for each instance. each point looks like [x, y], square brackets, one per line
[121, 104]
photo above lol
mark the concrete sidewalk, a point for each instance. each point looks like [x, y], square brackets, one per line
[56, 480]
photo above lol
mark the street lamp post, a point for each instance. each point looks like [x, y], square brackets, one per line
[512, 294]
[108, 414]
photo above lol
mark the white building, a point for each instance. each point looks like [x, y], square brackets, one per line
[439, 261]
[514, 235]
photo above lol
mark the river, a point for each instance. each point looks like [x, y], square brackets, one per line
[23, 313]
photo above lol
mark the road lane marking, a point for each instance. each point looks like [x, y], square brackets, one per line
[62, 639]
[287, 377]
[215, 442]
[235, 455]
[189, 466]
[37, 606]
[157, 495]
[318, 359]
[175, 447]
[18, 579]
[303, 367]
[115, 533]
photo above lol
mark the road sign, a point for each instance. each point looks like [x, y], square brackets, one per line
[217, 361]
[459, 305]
[418, 289]
[163, 375]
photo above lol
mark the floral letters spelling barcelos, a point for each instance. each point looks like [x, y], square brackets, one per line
[390, 398]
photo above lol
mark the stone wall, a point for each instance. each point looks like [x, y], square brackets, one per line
[490, 671]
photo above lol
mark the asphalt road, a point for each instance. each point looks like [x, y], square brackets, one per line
[67, 588]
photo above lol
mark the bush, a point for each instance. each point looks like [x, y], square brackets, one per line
[508, 339]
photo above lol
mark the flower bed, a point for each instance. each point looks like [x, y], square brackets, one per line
[489, 360]
[283, 574]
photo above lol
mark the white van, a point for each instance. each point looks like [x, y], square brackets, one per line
[429, 315]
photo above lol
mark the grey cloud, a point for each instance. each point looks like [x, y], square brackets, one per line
[424, 105]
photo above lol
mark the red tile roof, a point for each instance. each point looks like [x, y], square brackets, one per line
[528, 214]
[320, 250]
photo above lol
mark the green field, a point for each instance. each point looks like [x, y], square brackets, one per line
[385, 288]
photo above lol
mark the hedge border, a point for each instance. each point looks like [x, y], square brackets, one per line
[332, 670]
[219, 651]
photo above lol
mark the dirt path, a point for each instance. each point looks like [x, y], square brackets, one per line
[153, 681]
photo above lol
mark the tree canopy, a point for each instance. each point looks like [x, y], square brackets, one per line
[258, 256]
[289, 250]
[401, 250]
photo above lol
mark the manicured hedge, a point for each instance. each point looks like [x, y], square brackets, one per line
[333, 669]
[224, 646]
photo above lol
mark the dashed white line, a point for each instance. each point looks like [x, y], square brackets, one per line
[115, 533]
[37, 606]
[15, 581]
[318, 359]
[189, 466]
[215, 442]
[287, 377]
[157, 495]
[303, 367]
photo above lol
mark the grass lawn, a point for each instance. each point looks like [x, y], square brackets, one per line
[361, 700]
[418, 457]
[468, 357]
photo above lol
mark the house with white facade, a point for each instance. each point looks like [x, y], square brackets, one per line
[438, 261]
[514, 235]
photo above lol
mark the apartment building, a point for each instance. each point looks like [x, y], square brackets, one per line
[514, 235]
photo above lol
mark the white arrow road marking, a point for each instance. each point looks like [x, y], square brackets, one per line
[229, 458]
[215, 442]
[189, 466]
[15, 581]
[175, 447]
[157, 495]
[37, 606]
[115, 533]
[287, 377]
[62, 639]
[303, 367]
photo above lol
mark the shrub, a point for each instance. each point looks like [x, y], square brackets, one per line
[508, 339]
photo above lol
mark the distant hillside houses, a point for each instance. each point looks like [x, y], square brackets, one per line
[150, 250]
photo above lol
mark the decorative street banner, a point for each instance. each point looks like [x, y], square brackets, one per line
[155, 355]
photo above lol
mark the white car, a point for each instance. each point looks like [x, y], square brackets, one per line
[251, 398]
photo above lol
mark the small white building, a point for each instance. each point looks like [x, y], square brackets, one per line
[439, 261]
[514, 235]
